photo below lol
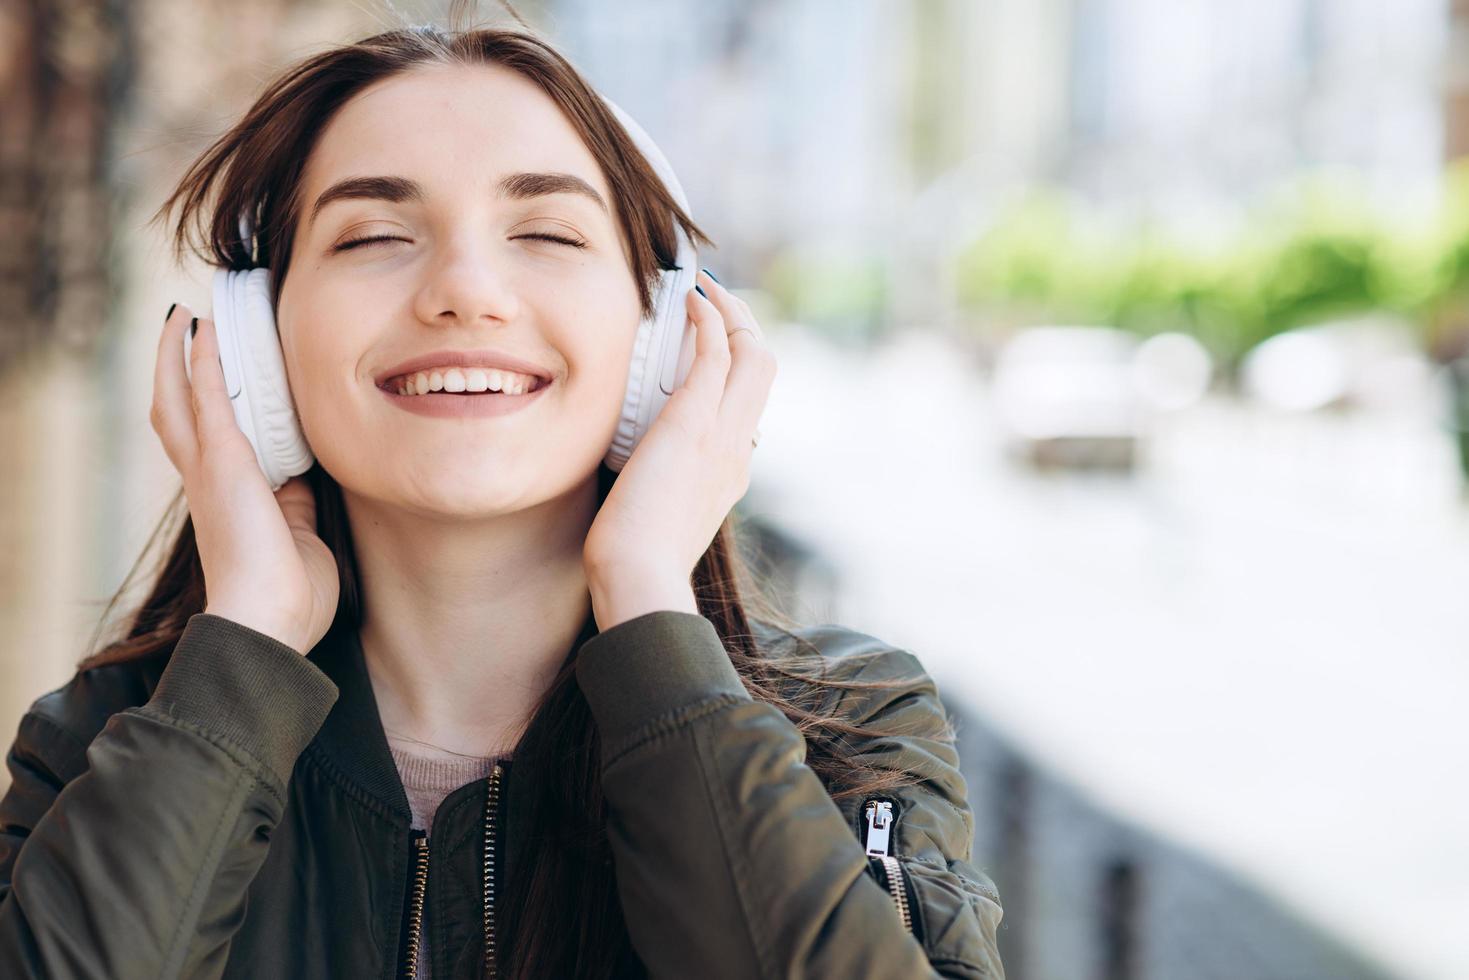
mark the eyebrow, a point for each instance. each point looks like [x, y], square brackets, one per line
[516, 187]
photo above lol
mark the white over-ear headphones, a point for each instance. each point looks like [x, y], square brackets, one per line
[255, 370]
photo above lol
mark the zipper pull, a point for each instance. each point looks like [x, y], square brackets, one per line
[879, 827]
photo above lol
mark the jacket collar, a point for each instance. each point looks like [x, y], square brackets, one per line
[352, 736]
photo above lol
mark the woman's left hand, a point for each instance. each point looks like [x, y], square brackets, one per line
[692, 465]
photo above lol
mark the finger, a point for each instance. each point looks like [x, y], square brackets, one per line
[711, 353]
[752, 364]
[736, 311]
[746, 392]
[172, 412]
[214, 416]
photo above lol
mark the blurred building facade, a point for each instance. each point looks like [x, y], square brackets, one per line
[885, 135]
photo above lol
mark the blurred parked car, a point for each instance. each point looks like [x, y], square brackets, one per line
[1080, 397]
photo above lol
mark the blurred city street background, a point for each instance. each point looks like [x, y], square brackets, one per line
[1249, 646]
[1124, 380]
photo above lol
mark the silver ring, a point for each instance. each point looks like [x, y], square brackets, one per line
[755, 439]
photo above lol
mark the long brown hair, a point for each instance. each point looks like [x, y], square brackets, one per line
[560, 915]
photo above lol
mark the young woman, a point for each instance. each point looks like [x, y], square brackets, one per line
[538, 730]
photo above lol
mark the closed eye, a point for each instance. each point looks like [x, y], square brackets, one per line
[374, 239]
[573, 242]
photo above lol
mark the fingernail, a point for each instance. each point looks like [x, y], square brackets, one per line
[193, 326]
[701, 291]
[710, 274]
[170, 312]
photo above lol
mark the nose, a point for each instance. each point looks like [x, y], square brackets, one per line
[464, 286]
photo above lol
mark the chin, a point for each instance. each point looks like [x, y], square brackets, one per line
[451, 482]
[485, 496]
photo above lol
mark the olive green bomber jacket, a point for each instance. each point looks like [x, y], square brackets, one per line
[232, 810]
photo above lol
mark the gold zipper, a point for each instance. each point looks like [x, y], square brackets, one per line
[491, 806]
[420, 885]
[415, 906]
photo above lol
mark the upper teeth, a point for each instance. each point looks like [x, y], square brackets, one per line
[468, 379]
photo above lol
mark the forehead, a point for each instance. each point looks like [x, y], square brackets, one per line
[450, 127]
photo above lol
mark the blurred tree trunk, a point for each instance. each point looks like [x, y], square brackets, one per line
[1456, 88]
[1448, 325]
[65, 74]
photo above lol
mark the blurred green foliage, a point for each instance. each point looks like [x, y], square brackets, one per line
[843, 293]
[1317, 251]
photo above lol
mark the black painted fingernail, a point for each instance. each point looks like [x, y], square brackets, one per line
[170, 312]
[701, 291]
[193, 326]
[710, 274]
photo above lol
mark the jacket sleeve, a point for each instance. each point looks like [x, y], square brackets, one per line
[130, 856]
[732, 860]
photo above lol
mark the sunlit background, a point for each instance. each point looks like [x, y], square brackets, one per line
[1124, 379]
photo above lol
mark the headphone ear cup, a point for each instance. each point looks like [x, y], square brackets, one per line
[662, 355]
[264, 408]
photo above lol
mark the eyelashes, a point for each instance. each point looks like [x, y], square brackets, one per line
[373, 239]
[573, 242]
[356, 242]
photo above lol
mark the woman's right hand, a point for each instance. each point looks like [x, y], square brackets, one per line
[264, 564]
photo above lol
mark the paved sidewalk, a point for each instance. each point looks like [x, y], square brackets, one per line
[1256, 647]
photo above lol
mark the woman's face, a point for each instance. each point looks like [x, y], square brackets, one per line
[459, 272]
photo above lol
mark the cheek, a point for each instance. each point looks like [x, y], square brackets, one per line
[596, 340]
[321, 373]
[610, 362]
